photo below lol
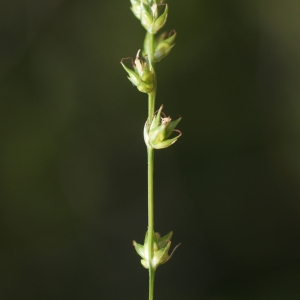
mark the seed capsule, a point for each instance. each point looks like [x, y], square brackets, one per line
[156, 134]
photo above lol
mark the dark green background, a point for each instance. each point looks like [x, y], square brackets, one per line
[73, 161]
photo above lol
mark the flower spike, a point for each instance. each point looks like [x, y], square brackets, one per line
[160, 246]
[156, 134]
[142, 76]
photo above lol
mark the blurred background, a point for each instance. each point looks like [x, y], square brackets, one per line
[73, 191]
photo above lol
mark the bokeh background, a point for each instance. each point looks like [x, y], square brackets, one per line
[73, 161]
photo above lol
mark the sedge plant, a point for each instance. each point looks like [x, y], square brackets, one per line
[158, 128]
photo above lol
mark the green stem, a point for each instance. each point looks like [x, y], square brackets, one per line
[150, 220]
[150, 154]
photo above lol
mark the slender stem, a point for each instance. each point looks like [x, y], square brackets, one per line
[150, 153]
[151, 283]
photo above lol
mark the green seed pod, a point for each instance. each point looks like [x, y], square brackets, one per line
[146, 17]
[139, 249]
[142, 77]
[160, 21]
[145, 88]
[161, 248]
[156, 134]
[150, 18]
[164, 45]
[133, 77]
[161, 256]
[136, 8]
[143, 69]
[162, 241]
